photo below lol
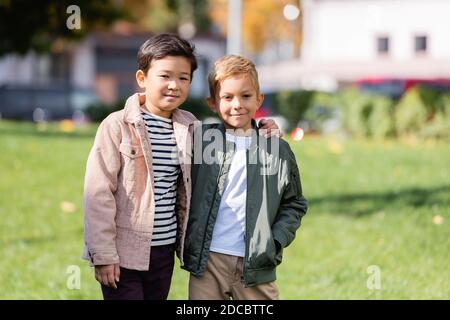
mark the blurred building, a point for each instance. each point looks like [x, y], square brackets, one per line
[110, 60]
[100, 67]
[367, 41]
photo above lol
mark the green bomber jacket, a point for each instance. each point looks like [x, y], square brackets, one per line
[274, 206]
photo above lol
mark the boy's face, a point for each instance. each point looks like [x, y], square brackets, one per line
[166, 84]
[236, 102]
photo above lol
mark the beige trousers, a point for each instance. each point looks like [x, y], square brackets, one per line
[222, 281]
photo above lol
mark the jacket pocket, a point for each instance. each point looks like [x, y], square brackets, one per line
[265, 258]
[131, 151]
[132, 161]
[132, 177]
[278, 253]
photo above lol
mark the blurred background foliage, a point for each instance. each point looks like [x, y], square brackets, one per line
[421, 112]
[39, 26]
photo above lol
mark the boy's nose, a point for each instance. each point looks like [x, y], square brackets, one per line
[173, 84]
[236, 104]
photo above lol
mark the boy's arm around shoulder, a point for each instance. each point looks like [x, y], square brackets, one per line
[102, 169]
[293, 205]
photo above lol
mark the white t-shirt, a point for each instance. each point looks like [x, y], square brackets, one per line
[228, 234]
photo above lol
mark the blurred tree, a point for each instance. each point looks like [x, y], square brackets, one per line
[293, 105]
[200, 14]
[263, 22]
[153, 15]
[169, 15]
[38, 25]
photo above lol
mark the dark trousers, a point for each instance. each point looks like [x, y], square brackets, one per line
[153, 284]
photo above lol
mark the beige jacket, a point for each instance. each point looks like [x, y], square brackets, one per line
[118, 192]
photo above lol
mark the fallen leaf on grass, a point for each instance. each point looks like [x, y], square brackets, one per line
[438, 220]
[68, 207]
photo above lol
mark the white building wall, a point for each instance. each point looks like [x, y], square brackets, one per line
[83, 65]
[16, 69]
[346, 30]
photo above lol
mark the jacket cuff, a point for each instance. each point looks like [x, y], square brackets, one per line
[104, 258]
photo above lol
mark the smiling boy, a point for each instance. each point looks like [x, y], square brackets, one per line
[241, 215]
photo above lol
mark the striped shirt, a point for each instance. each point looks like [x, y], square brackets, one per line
[166, 170]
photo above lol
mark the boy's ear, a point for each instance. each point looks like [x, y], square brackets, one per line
[260, 100]
[211, 104]
[140, 78]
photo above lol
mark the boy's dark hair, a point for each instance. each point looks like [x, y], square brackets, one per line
[163, 45]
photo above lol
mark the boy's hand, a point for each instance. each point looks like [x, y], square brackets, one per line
[108, 275]
[269, 128]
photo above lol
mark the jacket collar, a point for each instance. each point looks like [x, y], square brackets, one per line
[255, 137]
[222, 128]
[132, 113]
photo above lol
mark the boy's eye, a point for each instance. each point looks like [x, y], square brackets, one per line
[247, 95]
[164, 76]
[184, 79]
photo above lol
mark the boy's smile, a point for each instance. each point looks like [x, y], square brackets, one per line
[236, 102]
[166, 84]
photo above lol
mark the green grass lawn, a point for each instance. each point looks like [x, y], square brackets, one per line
[382, 204]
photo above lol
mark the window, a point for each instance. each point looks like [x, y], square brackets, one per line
[420, 44]
[383, 45]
